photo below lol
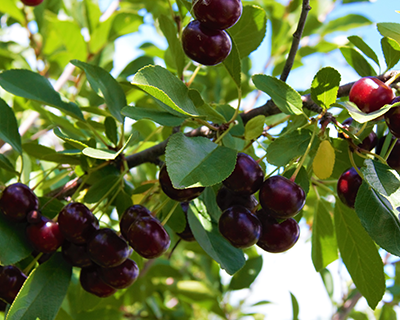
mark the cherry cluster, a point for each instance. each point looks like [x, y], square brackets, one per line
[271, 227]
[204, 39]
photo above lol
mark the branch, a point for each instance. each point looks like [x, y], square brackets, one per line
[296, 40]
[348, 306]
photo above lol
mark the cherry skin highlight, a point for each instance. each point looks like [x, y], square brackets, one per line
[347, 187]
[217, 14]
[204, 45]
[370, 94]
[45, 236]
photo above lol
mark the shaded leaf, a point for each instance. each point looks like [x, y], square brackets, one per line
[246, 276]
[9, 127]
[365, 48]
[233, 64]
[161, 117]
[391, 51]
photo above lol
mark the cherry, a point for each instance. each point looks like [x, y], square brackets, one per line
[76, 255]
[148, 237]
[347, 187]
[121, 276]
[204, 45]
[107, 249]
[392, 118]
[368, 142]
[11, 281]
[277, 237]
[370, 94]
[186, 234]
[130, 215]
[217, 14]
[282, 196]
[17, 200]
[393, 160]
[226, 198]
[239, 226]
[3, 306]
[32, 3]
[247, 176]
[77, 223]
[45, 235]
[91, 282]
[177, 194]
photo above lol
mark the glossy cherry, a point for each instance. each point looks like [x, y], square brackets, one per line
[239, 226]
[107, 248]
[392, 118]
[226, 198]
[11, 281]
[277, 237]
[148, 237]
[282, 196]
[130, 215]
[92, 282]
[217, 14]
[32, 3]
[368, 143]
[347, 187]
[247, 176]
[77, 223]
[180, 195]
[121, 276]
[45, 235]
[76, 255]
[370, 94]
[17, 200]
[204, 45]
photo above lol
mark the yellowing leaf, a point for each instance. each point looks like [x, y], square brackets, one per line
[324, 160]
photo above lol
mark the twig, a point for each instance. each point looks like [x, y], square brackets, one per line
[347, 307]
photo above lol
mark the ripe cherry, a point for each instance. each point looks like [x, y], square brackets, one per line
[11, 281]
[392, 118]
[107, 249]
[45, 235]
[347, 187]
[277, 237]
[368, 143]
[32, 3]
[148, 237]
[217, 14]
[180, 195]
[204, 45]
[227, 198]
[121, 276]
[130, 215]
[17, 200]
[186, 234]
[370, 94]
[239, 226]
[77, 223]
[247, 176]
[282, 196]
[76, 255]
[91, 282]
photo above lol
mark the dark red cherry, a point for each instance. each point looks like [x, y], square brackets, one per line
[107, 249]
[247, 176]
[282, 196]
[186, 234]
[121, 276]
[368, 142]
[226, 198]
[392, 118]
[148, 237]
[217, 14]
[45, 235]
[11, 281]
[277, 237]
[370, 94]
[130, 215]
[31, 3]
[347, 187]
[77, 223]
[239, 226]
[76, 255]
[91, 282]
[180, 195]
[204, 45]
[17, 200]
[3, 305]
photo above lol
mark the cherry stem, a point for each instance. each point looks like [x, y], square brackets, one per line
[353, 163]
[32, 264]
[361, 154]
[165, 220]
[149, 193]
[205, 123]
[238, 106]
[392, 79]
[231, 125]
[389, 151]
[195, 72]
[321, 185]
[50, 171]
[157, 209]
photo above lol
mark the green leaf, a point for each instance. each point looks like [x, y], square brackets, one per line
[391, 51]
[246, 276]
[111, 130]
[390, 30]
[161, 117]
[14, 244]
[9, 127]
[9, 7]
[233, 65]
[166, 88]
[100, 188]
[254, 127]
[388, 312]
[324, 246]
[199, 161]
[135, 65]
[365, 48]
[102, 154]
[31, 85]
[43, 292]
[302, 178]
[345, 23]
[217, 247]
[75, 143]
[48, 154]
[360, 116]
[205, 109]
[357, 61]
[327, 279]
[324, 87]
[6, 164]
[249, 31]
[285, 97]
[359, 254]
[101, 81]
[295, 307]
